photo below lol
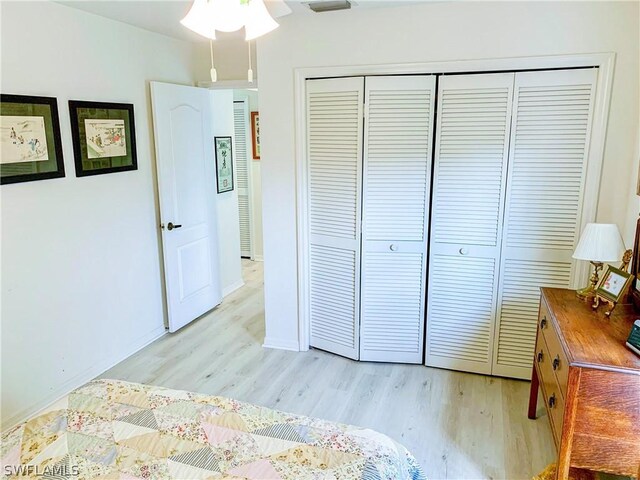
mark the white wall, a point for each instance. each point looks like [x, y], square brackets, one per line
[227, 203]
[439, 31]
[81, 279]
[231, 57]
[256, 179]
[633, 209]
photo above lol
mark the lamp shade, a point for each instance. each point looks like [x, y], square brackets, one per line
[600, 242]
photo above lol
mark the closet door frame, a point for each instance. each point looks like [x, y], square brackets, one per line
[605, 63]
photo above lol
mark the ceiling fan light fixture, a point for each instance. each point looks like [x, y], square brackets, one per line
[198, 19]
[259, 21]
[207, 16]
[228, 15]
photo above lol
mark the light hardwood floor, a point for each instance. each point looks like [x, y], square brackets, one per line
[458, 425]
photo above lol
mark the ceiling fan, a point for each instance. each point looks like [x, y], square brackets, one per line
[208, 16]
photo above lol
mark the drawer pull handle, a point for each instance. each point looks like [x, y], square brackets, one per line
[552, 401]
[556, 362]
[543, 323]
[540, 356]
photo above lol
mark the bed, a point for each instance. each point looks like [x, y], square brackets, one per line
[111, 429]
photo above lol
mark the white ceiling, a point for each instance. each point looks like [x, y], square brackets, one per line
[163, 16]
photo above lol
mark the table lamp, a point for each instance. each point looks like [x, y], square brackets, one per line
[599, 243]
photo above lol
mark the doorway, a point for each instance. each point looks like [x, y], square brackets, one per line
[247, 156]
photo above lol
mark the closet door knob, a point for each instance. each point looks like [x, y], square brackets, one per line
[463, 251]
[393, 247]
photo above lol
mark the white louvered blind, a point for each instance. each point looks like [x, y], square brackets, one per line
[243, 166]
[519, 304]
[396, 185]
[334, 142]
[549, 145]
[474, 114]
[474, 130]
[461, 330]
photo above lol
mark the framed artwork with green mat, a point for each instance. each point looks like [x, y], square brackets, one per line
[104, 137]
[30, 145]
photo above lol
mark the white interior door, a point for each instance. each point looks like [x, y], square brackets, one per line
[334, 142]
[547, 166]
[396, 188]
[472, 146]
[243, 175]
[186, 183]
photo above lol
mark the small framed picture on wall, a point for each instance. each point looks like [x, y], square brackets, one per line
[104, 137]
[31, 148]
[224, 164]
[255, 134]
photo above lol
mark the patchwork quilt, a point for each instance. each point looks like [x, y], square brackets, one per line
[110, 429]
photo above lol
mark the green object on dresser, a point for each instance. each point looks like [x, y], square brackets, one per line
[633, 342]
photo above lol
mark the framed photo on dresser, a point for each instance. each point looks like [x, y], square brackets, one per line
[614, 284]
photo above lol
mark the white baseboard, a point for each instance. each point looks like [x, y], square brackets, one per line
[81, 378]
[281, 344]
[258, 258]
[232, 288]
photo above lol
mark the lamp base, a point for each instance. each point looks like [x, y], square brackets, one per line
[588, 293]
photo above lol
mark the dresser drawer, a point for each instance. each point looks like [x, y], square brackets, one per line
[553, 399]
[558, 359]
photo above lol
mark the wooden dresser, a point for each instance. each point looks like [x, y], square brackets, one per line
[591, 385]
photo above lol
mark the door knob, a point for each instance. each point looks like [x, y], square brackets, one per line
[393, 247]
[171, 226]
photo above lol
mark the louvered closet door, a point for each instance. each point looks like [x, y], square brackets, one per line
[549, 146]
[396, 187]
[472, 147]
[334, 139]
[243, 167]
